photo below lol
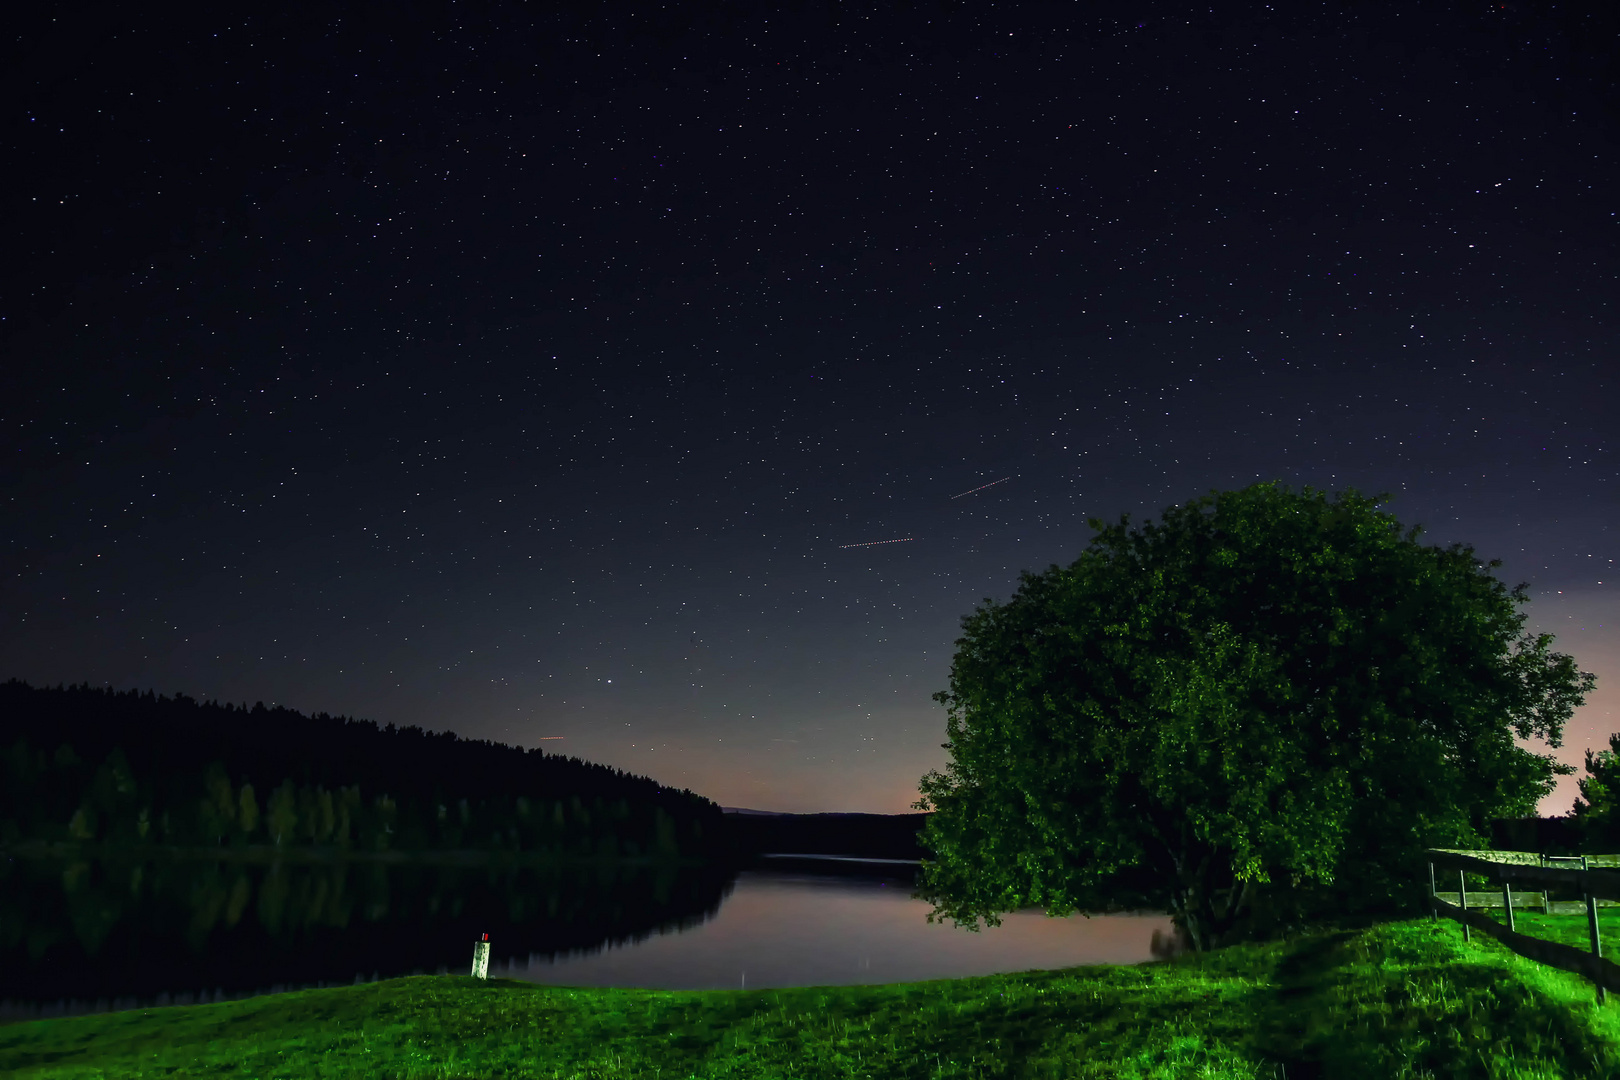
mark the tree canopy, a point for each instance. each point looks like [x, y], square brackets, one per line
[1597, 811]
[1265, 688]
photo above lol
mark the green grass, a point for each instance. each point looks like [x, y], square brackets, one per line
[1566, 929]
[1399, 1000]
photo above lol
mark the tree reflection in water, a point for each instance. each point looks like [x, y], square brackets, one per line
[138, 928]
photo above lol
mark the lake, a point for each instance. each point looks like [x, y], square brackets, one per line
[86, 935]
[782, 926]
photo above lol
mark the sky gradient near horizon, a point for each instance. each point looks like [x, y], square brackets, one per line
[541, 377]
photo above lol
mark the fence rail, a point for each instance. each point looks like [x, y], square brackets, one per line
[1599, 887]
[1531, 858]
[1600, 883]
[1600, 969]
[1530, 901]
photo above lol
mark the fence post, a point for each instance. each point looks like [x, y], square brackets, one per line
[1507, 899]
[1592, 925]
[1462, 900]
[1434, 908]
[1546, 891]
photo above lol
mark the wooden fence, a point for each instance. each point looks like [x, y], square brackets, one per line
[1590, 875]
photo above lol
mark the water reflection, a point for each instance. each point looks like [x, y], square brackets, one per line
[128, 932]
[788, 928]
[122, 929]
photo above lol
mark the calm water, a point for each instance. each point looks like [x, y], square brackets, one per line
[88, 935]
[792, 928]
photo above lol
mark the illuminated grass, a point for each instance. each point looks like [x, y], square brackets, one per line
[1567, 929]
[1401, 1000]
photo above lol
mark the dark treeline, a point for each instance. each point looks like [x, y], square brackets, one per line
[873, 836]
[899, 836]
[96, 766]
[1549, 836]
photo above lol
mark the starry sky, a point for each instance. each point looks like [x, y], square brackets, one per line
[533, 372]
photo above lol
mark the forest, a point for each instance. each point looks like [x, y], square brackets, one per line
[91, 766]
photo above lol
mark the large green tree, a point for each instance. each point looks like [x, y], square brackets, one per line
[1264, 695]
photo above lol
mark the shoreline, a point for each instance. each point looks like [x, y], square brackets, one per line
[1392, 999]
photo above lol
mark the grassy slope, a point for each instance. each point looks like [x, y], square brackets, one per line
[1405, 999]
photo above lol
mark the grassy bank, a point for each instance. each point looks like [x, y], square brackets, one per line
[1405, 999]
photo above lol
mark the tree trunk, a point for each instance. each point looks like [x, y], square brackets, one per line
[1205, 910]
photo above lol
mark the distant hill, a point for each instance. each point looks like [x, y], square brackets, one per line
[870, 836]
[88, 765]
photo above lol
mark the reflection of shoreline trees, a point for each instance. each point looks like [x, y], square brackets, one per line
[119, 926]
[90, 766]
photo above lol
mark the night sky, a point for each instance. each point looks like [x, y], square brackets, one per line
[534, 373]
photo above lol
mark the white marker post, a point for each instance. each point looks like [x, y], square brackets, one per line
[480, 968]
